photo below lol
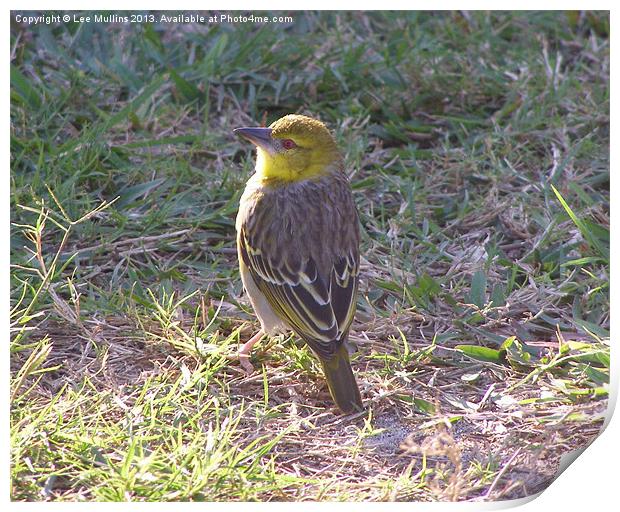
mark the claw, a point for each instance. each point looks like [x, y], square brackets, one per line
[244, 360]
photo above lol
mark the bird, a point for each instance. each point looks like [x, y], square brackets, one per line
[298, 239]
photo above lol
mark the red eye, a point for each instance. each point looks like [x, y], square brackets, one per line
[288, 144]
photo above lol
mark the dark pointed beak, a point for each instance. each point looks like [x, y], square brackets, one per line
[261, 137]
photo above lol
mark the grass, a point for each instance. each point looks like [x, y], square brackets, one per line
[478, 150]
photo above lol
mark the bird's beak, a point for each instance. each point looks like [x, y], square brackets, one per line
[261, 137]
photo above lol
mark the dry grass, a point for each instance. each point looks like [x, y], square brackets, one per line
[440, 427]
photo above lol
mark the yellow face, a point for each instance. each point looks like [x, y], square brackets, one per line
[293, 148]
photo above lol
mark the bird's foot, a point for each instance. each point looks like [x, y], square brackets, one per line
[244, 360]
[244, 352]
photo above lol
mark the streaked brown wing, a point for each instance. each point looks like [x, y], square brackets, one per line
[318, 308]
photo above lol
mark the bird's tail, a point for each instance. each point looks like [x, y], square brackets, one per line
[341, 381]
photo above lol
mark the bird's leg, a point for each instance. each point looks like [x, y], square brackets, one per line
[246, 348]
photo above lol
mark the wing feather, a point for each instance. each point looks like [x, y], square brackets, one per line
[320, 309]
[308, 275]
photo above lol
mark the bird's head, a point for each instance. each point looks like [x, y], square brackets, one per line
[293, 148]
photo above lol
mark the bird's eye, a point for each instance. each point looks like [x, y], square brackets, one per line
[288, 144]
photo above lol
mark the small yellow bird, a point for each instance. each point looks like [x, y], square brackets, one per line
[298, 245]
